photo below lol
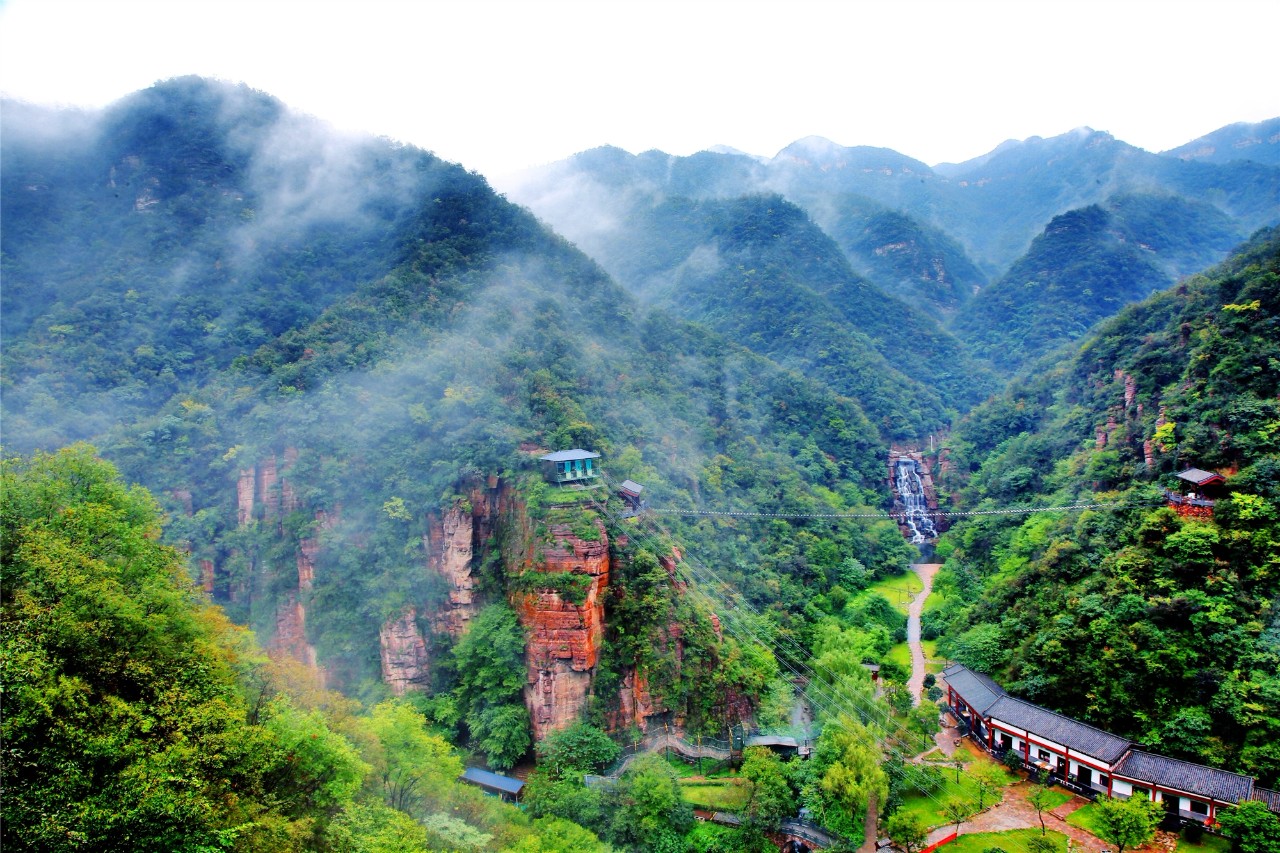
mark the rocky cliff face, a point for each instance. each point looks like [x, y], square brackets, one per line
[405, 663]
[455, 545]
[564, 637]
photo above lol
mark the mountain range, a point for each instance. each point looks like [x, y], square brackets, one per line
[337, 363]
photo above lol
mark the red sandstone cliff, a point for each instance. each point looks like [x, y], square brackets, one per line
[564, 638]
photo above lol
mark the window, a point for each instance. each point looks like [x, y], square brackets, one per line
[1198, 807]
[1103, 780]
[1044, 754]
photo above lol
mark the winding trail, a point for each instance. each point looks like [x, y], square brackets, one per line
[925, 571]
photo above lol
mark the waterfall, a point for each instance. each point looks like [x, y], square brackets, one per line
[910, 489]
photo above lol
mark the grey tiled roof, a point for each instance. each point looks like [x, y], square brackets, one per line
[1075, 735]
[1197, 476]
[1271, 798]
[1185, 776]
[977, 690]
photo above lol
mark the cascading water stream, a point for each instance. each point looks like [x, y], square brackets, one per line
[910, 490]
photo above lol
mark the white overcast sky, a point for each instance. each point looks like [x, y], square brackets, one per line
[499, 85]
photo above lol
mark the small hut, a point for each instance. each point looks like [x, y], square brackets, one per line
[570, 466]
[503, 787]
[1197, 492]
[630, 492]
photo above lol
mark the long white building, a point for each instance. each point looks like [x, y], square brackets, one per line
[1089, 758]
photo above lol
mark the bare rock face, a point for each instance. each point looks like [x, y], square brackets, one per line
[244, 496]
[450, 547]
[635, 702]
[291, 631]
[268, 490]
[288, 497]
[405, 664]
[564, 638]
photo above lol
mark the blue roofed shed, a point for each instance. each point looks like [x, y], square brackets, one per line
[570, 466]
[494, 783]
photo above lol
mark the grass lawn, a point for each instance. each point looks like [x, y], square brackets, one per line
[710, 767]
[1085, 817]
[1013, 839]
[1057, 797]
[898, 590]
[934, 600]
[1208, 844]
[726, 795]
[901, 655]
[929, 808]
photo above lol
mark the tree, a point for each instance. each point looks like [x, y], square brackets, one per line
[649, 806]
[489, 660]
[410, 763]
[955, 811]
[1041, 799]
[771, 796]
[580, 748]
[848, 759]
[907, 831]
[1127, 823]
[1252, 826]
[989, 781]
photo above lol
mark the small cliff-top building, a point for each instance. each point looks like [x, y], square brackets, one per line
[1197, 492]
[570, 466]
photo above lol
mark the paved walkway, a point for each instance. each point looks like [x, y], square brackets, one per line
[915, 685]
[1016, 813]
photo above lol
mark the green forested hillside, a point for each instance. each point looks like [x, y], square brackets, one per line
[137, 718]
[470, 332]
[147, 247]
[1085, 267]
[757, 270]
[917, 263]
[1151, 625]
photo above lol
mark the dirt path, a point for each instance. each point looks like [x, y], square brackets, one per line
[1015, 813]
[925, 571]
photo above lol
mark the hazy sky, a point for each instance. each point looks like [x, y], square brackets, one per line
[499, 85]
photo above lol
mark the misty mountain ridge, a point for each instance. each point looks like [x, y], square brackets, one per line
[934, 238]
[1258, 142]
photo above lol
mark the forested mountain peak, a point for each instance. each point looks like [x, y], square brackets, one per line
[1259, 142]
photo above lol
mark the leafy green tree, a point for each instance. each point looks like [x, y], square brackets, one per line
[771, 796]
[847, 763]
[1251, 826]
[410, 763]
[955, 811]
[324, 770]
[489, 660]
[1041, 799]
[123, 724]
[989, 780]
[907, 831]
[565, 798]
[1127, 823]
[375, 828]
[649, 811]
[580, 748]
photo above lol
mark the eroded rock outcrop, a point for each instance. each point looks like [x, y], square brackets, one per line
[291, 631]
[405, 662]
[564, 637]
[450, 544]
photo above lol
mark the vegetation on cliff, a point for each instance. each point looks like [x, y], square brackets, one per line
[1156, 626]
[137, 717]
